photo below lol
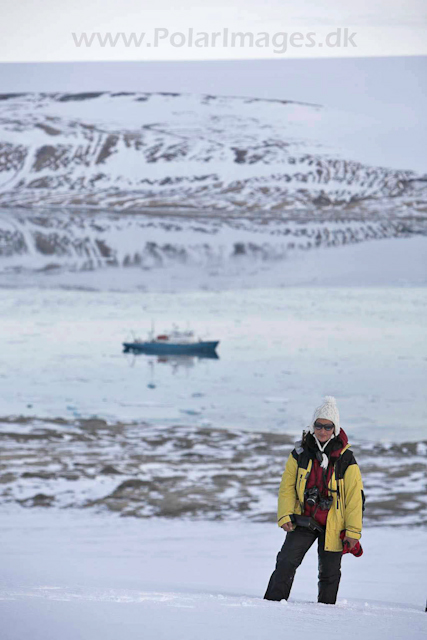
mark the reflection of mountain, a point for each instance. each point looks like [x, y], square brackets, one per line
[129, 151]
[79, 241]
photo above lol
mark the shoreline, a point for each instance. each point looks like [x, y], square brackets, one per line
[178, 472]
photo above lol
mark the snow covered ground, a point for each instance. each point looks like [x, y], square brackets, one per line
[204, 473]
[69, 576]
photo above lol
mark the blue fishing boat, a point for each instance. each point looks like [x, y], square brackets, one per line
[174, 342]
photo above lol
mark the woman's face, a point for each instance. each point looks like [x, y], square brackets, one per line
[321, 434]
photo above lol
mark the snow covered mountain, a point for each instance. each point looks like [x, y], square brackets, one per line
[130, 151]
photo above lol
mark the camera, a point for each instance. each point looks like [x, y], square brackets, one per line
[312, 496]
[326, 503]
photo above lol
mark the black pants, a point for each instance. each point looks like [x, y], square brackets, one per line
[290, 556]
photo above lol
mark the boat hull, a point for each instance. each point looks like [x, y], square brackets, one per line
[156, 348]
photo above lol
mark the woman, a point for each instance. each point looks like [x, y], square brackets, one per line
[322, 482]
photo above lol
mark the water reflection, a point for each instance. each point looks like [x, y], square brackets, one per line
[175, 362]
[171, 359]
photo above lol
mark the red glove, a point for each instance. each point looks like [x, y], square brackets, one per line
[356, 550]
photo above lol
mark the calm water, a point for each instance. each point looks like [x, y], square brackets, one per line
[280, 351]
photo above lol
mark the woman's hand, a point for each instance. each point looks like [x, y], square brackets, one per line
[288, 526]
[351, 541]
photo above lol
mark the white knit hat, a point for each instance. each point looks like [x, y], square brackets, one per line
[329, 411]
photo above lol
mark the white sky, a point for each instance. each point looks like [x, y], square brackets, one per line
[41, 30]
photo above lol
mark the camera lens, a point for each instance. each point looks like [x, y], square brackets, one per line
[312, 496]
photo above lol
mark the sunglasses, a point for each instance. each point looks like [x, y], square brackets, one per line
[327, 427]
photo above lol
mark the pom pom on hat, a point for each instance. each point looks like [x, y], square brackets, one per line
[328, 410]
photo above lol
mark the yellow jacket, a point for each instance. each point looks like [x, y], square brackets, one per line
[347, 506]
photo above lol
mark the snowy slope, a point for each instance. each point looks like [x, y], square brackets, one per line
[192, 472]
[104, 578]
[134, 150]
